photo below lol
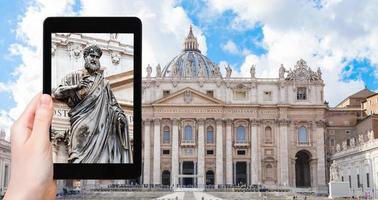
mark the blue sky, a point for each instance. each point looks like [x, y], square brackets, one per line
[10, 12]
[265, 34]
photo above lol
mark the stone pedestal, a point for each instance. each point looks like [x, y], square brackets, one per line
[339, 189]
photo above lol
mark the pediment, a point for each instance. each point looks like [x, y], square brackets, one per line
[188, 96]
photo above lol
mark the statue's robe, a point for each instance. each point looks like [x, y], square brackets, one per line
[99, 127]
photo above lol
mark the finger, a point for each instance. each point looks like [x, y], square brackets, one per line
[42, 120]
[27, 117]
[22, 127]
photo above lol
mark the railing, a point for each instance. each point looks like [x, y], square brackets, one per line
[160, 187]
[188, 142]
[303, 143]
[241, 143]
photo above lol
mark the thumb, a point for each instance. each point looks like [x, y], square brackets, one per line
[42, 120]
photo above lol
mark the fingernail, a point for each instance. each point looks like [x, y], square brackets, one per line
[45, 100]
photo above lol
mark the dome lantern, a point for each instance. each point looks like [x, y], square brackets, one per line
[191, 43]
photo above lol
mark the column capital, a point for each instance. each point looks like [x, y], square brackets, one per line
[147, 121]
[201, 121]
[219, 121]
[157, 121]
[320, 123]
[229, 121]
[175, 121]
[255, 121]
[283, 122]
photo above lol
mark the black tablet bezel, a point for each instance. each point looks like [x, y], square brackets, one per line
[99, 25]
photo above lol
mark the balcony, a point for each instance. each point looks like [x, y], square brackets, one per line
[188, 143]
[241, 143]
[304, 144]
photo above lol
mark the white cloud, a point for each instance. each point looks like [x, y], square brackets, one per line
[28, 76]
[230, 47]
[325, 38]
[292, 29]
[165, 26]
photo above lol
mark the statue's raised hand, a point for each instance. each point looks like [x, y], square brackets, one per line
[83, 84]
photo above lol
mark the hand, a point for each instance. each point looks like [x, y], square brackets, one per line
[31, 157]
[83, 84]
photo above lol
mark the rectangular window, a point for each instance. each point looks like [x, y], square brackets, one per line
[342, 178]
[166, 93]
[367, 180]
[210, 152]
[165, 152]
[241, 152]
[358, 180]
[350, 181]
[240, 95]
[267, 96]
[210, 93]
[301, 93]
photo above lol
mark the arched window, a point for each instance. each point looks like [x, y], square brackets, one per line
[210, 135]
[166, 135]
[188, 135]
[240, 134]
[302, 135]
[268, 135]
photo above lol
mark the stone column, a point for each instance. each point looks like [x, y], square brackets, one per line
[147, 152]
[254, 152]
[175, 149]
[156, 169]
[229, 152]
[320, 154]
[201, 153]
[219, 153]
[284, 152]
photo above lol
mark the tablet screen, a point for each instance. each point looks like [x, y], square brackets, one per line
[92, 89]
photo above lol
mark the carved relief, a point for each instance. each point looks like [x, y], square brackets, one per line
[302, 72]
[188, 96]
[116, 58]
[75, 50]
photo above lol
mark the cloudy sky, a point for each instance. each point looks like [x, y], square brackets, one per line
[339, 36]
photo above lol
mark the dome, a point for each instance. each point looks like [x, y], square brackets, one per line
[191, 63]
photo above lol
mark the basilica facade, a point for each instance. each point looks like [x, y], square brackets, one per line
[202, 127]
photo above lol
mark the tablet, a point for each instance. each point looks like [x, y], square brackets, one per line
[92, 70]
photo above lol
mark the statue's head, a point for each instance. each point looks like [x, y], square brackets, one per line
[92, 56]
